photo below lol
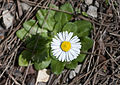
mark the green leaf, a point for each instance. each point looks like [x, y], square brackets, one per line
[70, 27]
[29, 24]
[44, 64]
[38, 41]
[41, 49]
[84, 14]
[72, 64]
[57, 28]
[43, 32]
[107, 2]
[68, 8]
[21, 33]
[41, 55]
[77, 10]
[57, 66]
[24, 58]
[87, 43]
[84, 28]
[81, 58]
[48, 23]
[31, 27]
[52, 12]
[41, 59]
[64, 17]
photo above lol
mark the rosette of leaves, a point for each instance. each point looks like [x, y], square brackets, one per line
[38, 34]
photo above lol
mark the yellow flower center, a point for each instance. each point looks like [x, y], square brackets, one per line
[65, 46]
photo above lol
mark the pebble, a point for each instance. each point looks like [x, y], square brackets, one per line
[41, 83]
[92, 11]
[72, 74]
[7, 19]
[88, 2]
[25, 6]
[77, 69]
[96, 4]
[43, 76]
[80, 84]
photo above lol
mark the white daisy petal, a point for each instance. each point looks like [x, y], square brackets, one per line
[70, 56]
[60, 36]
[75, 39]
[55, 44]
[55, 47]
[69, 36]
[63, 57]
[58, 53]
[73, 53]
[75, 45]
[55, 51]
[57, 38]
[76, 50]
[67, 56]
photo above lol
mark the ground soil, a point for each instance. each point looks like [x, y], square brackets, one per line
[102, 63]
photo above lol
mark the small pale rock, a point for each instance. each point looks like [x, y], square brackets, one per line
[41, 83]
[7, 19]
[88, 2]
[92, 11]
[96, 4]
[77, 69]
[72, 74]
[43, 76]
[80, 84]
[25, 6]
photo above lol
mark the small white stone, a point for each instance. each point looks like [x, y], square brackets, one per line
[92, 11]
[88, 2]
[7, 18]
[41, 83]
[80, 84]
[72, 74]
[77, 69]
[43, 76]
[96, 4]
[25, 6]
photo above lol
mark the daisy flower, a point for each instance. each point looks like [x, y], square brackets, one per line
[65, 46]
